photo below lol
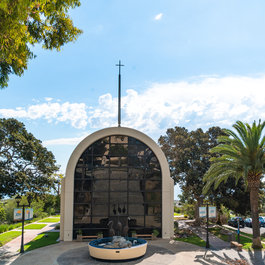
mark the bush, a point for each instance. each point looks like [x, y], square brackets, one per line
[189, 210]
[176, 226]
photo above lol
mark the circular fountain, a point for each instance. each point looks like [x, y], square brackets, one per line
[117, 248]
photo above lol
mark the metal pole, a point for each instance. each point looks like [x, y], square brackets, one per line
[207, 226]
[22, 236]
[238, 231]
[119, 103]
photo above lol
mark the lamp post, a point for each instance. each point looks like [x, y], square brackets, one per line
[207, 222]
[238, 230]
[18, 200]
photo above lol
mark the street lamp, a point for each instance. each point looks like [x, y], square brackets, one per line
[18, 200]
[207, 222]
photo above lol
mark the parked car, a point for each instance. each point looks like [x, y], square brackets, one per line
[261, 221]
[248, 222]
[234, 221]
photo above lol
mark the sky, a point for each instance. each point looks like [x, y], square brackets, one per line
[188, 63]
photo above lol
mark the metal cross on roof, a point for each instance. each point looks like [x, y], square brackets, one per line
[119, 94]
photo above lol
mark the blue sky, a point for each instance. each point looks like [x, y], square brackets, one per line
[191, 63]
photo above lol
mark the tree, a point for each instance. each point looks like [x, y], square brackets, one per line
[25, 165]
[242, 155]
[24, 23]
[189, 158]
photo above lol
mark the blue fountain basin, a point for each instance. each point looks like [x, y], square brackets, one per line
[101, 249]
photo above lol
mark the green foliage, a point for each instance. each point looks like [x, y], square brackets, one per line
[241, 156]
[7, 227]
[176, 226]
[189, 210]
[6, 237]
[194, 239]
[42, 240]
[24, 23]
[9, 209]
[50, 220]
[2, 214]
[156, 232]
[25, 165]
[34, 226]
[188, 155]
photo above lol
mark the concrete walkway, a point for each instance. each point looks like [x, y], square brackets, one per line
[215, 242]
[159, 252]
[10, 251]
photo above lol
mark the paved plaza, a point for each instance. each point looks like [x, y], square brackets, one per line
[159, 251]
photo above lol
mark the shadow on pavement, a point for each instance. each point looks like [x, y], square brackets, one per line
[80, 256]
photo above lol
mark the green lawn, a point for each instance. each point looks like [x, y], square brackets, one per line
[216, 232]
[177, 214]
[34, 226]
[8, 236]
[243, 233]
[42, 240]
[246, 242]
[50, 220]
[194, 239]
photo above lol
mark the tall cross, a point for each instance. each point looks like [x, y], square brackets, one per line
[119, 94]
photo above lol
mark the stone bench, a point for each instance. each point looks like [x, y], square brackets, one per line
[237, 245]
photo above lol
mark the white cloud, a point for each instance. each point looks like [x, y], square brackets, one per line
[64, 141]
[202, 102]
[199, 102]
[73, 113]
[158, 16]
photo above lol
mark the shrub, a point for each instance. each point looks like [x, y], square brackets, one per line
[176, 226]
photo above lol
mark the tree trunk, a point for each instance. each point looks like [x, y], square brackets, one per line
[254, 202]
[198, 204]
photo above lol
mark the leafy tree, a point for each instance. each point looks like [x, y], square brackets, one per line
[24, 23]
[25, 165]
[2, 214]
[189, 158]
[242, 155]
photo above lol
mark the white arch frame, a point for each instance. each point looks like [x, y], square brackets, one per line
[67, 193]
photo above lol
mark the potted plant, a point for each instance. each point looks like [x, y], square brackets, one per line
[100, 235]
[79, 236]
[155, 233]
[133, 233]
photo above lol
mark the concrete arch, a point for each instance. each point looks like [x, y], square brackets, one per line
[67, 194]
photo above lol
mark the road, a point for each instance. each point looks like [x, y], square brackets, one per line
[247, 229]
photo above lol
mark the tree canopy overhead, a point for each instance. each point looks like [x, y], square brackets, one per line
[25, 165]
[26, 22]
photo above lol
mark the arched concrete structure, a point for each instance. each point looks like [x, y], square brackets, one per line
[67, 194]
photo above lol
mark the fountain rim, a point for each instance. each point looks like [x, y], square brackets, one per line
[142, 243]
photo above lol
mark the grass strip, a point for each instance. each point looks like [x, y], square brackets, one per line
[193, 239]
[50, 220]
[34, 226]
[243, 233]
[245, 241]
[42, 240]
[216, 232]
[8, 236]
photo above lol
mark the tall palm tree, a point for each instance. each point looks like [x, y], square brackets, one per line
[241, 155]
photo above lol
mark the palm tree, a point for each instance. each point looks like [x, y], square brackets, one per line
[241, 155]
